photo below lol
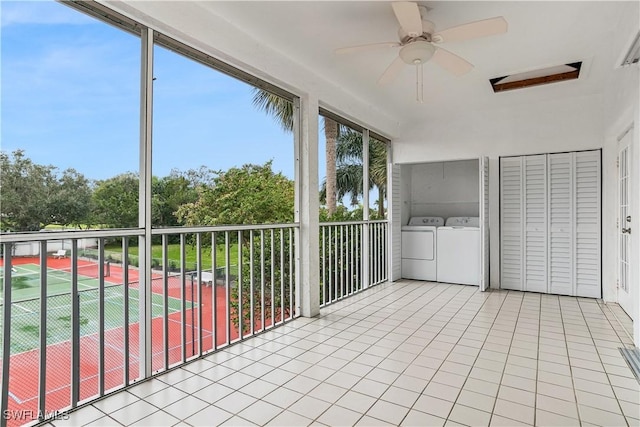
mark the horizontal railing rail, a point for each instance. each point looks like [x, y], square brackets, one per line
[69, 235]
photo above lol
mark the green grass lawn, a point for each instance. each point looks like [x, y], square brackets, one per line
[190, 252]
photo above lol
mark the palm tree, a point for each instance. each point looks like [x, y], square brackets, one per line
[282, 110]
[349, 166]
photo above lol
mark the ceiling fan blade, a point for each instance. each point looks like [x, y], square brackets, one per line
[365, 47]
[472, 30]
[451, 62]
[392, 71]
[408, 16]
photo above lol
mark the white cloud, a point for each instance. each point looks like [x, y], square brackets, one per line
[40, 12]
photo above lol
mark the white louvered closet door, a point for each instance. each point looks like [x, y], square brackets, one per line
[550, 217]
[561, 220]
[587, 222]
[535, 223]
[511, 223]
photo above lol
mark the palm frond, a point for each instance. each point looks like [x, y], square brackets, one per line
[275, 106]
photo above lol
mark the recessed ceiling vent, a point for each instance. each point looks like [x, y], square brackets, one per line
[633, 55]
[539, 77]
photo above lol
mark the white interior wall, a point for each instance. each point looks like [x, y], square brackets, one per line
[443, 189]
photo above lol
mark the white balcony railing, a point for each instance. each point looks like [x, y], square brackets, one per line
[353, 256]
[77, 327]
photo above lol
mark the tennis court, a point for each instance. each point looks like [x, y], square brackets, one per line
[26, 317]
[25, 323]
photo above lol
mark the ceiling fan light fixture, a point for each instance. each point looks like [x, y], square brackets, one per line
[417, 52]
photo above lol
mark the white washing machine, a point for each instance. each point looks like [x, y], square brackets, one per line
[419, 247]
[458, 253]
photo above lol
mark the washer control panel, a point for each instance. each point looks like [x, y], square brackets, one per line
[434, 221]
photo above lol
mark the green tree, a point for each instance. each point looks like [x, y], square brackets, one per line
[251, 194]
[282, 110]
[25, 190]
[175, 190]
[70, 202]
[115, 201]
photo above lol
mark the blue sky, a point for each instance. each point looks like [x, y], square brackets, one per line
[70, 98]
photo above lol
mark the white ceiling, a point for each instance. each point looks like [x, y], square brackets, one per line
[541, 34]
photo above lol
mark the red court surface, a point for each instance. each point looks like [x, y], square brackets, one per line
[24, 367]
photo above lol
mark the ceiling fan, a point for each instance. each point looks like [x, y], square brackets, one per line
[419, 40]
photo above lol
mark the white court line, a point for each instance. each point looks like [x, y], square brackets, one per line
[22, 308]
[109, 299]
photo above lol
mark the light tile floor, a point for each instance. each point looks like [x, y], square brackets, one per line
[407, 353]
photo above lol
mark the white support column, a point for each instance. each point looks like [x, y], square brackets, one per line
[366, 257]
[144, 204]
[365, 174]
[307, 209]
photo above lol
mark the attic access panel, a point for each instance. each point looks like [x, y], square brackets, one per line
[537, 77]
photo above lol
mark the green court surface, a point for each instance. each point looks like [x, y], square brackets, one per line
[25, 314]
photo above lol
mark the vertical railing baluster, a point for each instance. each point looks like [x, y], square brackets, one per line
[6, 331]
[227, 286]
[262, 278]
[330, 265]
[342, 263]
[291, 261]
[386, 253]
[378, 253]
[125, 294]
[165, 298]
[359, 257]
[239, 282]
[346, 267]
[214, 289]
[376, 230]
[335, 260]
[75, 327]
[323, 267]
[199, 288]
[183, 297]
[42, 380]
[281, 275]
[351, 235]
[251, 283]
[101, 315]
[273, 267]
[372, 254]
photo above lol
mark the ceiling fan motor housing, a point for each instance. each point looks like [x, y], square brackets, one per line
[417, 52]
[428, 28]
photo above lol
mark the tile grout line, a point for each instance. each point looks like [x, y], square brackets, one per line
[613, 390]
[509, 351]
[535, 397]
[564, 332]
